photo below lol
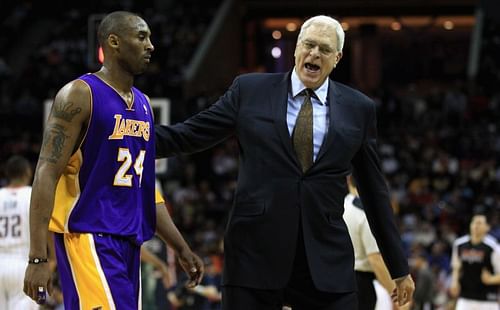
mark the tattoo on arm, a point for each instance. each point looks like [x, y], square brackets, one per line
[65, 111]
[53, 140]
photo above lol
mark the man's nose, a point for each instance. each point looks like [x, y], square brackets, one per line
[150, 46]
[314, 51]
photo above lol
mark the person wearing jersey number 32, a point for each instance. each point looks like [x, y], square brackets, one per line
[14, 234]
[94, 184]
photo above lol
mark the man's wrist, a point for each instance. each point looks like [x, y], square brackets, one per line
[184, 251]
[38, 260]
[398, 280]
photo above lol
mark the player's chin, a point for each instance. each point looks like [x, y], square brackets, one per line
[141, 70]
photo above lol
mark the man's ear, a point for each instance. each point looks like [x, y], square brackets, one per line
[338, 57]
[113, 40]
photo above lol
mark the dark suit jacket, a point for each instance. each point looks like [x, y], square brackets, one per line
[273, 194]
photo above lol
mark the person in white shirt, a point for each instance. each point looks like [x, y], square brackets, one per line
[14, 234]
[368, 262]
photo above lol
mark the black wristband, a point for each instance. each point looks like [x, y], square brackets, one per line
[37, 260]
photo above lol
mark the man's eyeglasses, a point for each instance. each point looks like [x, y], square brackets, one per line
[323, 48]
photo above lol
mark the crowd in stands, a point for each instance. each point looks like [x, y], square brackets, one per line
[439, 141]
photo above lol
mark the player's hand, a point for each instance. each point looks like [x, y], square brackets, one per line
[38, 281]
[454, 290]
[210, 292]
[403, 293]
[166, 277]
[193, 266]
[486, 277]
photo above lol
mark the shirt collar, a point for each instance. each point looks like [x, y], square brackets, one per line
[298, 87]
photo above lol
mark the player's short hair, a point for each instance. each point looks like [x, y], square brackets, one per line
[17, 167]
[115, 22]
[480, 211]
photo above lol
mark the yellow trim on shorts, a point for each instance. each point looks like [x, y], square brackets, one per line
[90, 281]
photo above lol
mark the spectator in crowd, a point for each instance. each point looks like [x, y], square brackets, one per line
[423, 299]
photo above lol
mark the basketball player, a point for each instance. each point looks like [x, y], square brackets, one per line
[94, 183]
[472, 254]
[368, 262]
[14, 234]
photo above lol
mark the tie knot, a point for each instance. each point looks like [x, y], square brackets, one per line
[309, 93]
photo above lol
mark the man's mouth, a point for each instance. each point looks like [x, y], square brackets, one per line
[311, 67]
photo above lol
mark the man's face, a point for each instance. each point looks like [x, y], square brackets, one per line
[136, 46]
[316, 54]
[479, 226]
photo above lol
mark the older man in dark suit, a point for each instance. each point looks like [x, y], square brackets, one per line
[300, 134]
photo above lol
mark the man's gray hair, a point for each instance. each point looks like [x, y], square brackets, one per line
[325, 20]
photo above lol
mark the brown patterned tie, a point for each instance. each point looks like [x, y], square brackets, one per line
[303, 132]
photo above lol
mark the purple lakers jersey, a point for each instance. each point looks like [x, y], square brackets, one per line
[109, 183]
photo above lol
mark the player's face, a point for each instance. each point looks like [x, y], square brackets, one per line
[479, 226]
[136, 46]
[316, 54]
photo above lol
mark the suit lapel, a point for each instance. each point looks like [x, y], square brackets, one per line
[279, 101]
[335, 100]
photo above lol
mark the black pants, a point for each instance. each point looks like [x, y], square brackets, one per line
[367, 297]
[300, 292]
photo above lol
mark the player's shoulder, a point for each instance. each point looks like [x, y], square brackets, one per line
[75, 88]
[491, 242]
[72, 99]
[461, 240]
[24, 190]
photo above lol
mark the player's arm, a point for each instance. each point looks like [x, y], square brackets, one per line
[70, 112]
[490, 279]
[381, 272]
[456, 266]
[374, 256]
[168, 232]
[486, 276]
[150, 258]
[210, 292]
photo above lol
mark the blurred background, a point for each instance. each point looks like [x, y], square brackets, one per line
[432, 67]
